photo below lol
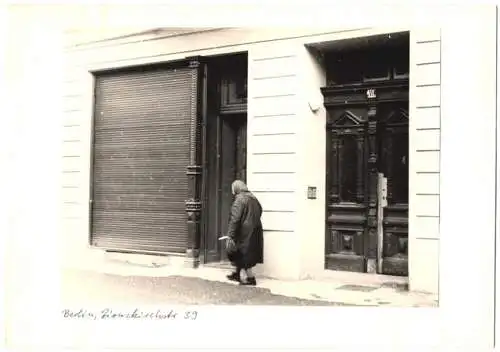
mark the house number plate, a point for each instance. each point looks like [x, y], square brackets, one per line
[370, 94]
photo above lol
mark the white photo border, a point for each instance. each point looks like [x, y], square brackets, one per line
[469, 176]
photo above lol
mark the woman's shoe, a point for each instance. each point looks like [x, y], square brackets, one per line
[234, 277]
[250, 281]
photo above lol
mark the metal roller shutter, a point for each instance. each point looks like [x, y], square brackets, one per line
[141, 151]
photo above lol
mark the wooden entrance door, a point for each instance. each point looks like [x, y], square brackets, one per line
[367, 134]
[232, 166]
[393, 150]
[226, 163]
[347, 198]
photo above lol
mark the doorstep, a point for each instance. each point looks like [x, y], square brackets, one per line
[341, 288]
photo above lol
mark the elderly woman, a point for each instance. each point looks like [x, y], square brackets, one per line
[245, 229]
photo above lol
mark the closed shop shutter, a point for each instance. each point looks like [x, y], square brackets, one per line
[141, 151]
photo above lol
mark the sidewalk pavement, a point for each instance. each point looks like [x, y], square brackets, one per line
[330, 290]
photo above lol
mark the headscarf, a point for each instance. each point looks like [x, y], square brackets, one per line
[238, 187]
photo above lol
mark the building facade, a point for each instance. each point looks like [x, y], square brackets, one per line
[337, 133]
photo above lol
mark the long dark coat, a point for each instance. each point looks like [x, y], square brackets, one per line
[245, 227]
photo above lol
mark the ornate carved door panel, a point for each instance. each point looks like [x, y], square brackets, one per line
[346, 214]
[393, 163]
[367, 133]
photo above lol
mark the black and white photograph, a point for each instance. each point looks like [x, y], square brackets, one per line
[177, 182]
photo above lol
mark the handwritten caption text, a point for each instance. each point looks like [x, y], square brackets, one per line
[134, 314]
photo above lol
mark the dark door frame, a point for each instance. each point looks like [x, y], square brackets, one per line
[221, 74]
[368, 79]
[194, 170]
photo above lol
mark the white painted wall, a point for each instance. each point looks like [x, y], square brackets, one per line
[286, 139]
[425, 145]
[273, 89]
[312, 169]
